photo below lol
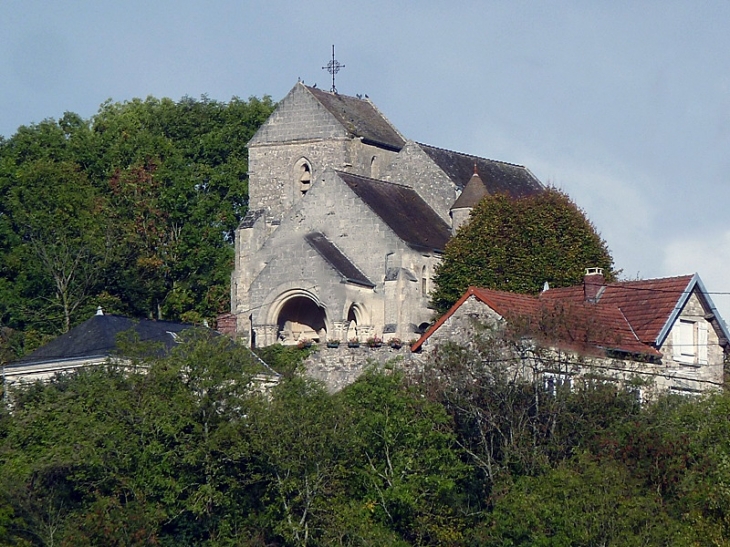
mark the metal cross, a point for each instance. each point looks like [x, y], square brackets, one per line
[333, 67]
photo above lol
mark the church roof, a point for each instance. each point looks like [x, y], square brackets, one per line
[473, 193]
[403, 210]
[497, 176]
[97, 338]
[360, 118]
[335, 258]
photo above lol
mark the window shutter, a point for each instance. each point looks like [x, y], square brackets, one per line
[702, 343]
[677, 341]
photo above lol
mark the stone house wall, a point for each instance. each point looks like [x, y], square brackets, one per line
[690, 372]
[473, 317]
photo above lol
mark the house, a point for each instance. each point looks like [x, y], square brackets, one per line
[91, 343]
[665, 332]
[347, 220]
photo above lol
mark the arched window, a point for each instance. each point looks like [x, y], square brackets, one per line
[303, 173]
[373, 167]
[424, 281]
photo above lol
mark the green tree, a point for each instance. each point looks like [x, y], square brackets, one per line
[133, 209]
[63, 242]
[406, 467]
[517, 244]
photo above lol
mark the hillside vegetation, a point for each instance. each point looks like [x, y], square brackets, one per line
[184, 450]
[133, 210]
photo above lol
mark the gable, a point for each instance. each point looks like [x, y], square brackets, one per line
[308, 113]
[298, 117]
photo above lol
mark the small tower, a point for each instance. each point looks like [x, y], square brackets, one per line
[474, 191]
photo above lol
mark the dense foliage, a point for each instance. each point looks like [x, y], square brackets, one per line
[517, 245]
[186, 450]
[133, 210]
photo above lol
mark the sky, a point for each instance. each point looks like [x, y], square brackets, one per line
[624, 105]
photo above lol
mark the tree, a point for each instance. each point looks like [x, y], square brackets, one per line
[516, 244]
[63, 244]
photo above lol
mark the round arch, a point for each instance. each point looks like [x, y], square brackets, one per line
[298, 315]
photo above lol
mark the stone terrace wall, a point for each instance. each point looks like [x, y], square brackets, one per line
[340, 367]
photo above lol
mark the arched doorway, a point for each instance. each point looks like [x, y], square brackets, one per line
[301, 318]
[354, 318]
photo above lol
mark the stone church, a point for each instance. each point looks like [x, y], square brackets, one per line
[347, 220]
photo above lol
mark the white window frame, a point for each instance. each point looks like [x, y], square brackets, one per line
[690, 342]
[553, 381]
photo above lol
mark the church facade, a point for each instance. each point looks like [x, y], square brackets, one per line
[347, 220]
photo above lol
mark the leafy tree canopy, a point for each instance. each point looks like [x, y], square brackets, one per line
[518, 244]
[133, 210]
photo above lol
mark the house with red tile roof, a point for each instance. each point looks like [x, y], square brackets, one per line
[665, 333]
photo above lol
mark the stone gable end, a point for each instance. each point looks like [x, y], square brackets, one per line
[298, 117]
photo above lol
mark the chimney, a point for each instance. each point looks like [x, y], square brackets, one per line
[593, 284]
[226, 324]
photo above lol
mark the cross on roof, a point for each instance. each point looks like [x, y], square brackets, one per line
[333, 67]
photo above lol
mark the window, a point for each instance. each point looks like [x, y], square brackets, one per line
[305, 178]
[554, 382]
[689, 341]
[303, 173]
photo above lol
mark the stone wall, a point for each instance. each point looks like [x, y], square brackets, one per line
[415, 168]
[287, 262]
[339, 367]
[689, 374]
[474, 317]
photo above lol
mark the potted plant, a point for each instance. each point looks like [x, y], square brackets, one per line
[353, 343]
[374, 342]
[333, 343]
[304, 343]
[395, 343]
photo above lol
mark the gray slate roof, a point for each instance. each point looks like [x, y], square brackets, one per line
[403, 210]
[97, 337]
[360, 118]
[498, 177]
[335, 258]
[473, 193]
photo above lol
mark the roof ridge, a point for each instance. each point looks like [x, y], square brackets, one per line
[651, 279]
[470, 155]
[338, 171]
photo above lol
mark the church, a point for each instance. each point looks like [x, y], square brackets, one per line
[347, 220]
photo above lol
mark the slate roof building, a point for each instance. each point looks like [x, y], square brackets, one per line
[347, 220]
[91, 343]
[664, 331]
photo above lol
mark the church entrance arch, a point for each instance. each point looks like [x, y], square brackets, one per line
[300, 317]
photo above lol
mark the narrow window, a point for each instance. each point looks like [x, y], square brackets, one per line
[687, 338]
[305, 177]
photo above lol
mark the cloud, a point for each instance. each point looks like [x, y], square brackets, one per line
[708, 254]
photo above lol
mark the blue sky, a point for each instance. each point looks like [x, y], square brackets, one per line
[624, 105]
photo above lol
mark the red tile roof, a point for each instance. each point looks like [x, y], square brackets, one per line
[628, 316]
[647, 304]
